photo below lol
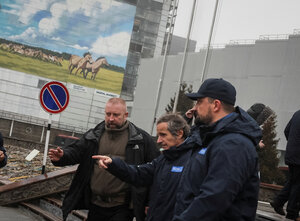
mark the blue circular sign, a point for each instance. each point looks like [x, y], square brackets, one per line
[54, 97]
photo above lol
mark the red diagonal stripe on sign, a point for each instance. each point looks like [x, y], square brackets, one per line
[54, 97]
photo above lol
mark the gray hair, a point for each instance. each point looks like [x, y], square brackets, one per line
[175, 123]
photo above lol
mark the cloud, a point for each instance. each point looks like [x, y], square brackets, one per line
[114, 45]
[13, 12]
[58, 9]
[30, 8]
[48, 26]
[90, 7]
[76, 46]
[107, 4]
[56, 38]
[28, 34]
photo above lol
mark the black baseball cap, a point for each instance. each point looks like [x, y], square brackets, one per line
[216, 88]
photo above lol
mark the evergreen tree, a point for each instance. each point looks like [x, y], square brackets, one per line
[184, 103]
[268, 159]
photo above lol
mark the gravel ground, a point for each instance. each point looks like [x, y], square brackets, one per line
[18, 168]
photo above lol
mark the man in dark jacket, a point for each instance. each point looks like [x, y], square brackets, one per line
[3, 156]
[221, 181]
[163, 174]
[291, 190]
[106, 197]
[260, 113]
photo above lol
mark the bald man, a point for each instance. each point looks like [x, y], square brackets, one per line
[106, 197]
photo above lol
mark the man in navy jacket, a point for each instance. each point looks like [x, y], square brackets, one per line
[164, 173]
[221, 181]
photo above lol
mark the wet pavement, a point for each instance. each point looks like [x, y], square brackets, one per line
[14, 214]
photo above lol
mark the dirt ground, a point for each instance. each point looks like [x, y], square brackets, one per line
[18, 168]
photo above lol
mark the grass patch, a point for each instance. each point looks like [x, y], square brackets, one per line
[106, 80]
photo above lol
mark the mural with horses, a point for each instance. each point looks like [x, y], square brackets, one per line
[82, 42]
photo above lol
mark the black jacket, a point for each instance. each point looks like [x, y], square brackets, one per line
[140, 149]
[292, 134]
[3, 162]
[163, 174]
[221, 181]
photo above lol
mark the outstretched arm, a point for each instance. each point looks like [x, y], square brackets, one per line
[140, 175]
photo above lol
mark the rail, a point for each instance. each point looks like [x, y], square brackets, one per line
[33, 193]
[36, 187]
[274, 37]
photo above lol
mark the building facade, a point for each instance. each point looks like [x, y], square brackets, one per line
[153, 20]
[263, 71]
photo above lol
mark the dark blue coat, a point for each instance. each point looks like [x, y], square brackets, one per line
[292, 134]
[221, 181]
[3, 162]
[163, 174]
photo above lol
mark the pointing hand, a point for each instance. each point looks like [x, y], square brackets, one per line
[103, 161]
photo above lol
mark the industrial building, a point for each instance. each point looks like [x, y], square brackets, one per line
[263, 71]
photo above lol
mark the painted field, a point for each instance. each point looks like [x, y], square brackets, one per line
[106, 80]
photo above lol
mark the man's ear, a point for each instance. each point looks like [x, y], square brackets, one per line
[180, 134]
[217, 104]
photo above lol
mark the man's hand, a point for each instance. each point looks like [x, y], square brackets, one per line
[2, 156]
[103, 161]
[261, 144]
[55, 154]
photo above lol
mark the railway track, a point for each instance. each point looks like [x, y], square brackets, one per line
[41, 197]
[49, 208]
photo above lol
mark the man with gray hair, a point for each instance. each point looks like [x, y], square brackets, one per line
[163, 174]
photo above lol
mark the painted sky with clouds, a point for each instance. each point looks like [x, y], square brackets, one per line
[102, 27]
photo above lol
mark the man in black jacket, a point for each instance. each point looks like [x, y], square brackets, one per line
[106, 197]
[291, 190]
[3, 156]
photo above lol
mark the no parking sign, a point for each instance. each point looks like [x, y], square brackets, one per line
[54, 98]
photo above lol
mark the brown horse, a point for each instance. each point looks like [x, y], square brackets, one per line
[79, 62]
[94, 67]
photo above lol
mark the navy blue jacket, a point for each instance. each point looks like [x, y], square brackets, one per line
[163, 174]
[292, 134]
[3, 162]
[221, 181]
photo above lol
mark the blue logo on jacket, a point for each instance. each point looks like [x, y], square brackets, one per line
[203, 151]
[177, 169]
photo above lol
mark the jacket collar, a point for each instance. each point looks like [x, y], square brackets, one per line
[236, 122]
[94, 134]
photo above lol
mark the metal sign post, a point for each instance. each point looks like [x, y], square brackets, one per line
[54, 98]
[46, 144]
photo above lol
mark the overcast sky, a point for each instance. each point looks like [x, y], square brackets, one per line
[238, 19]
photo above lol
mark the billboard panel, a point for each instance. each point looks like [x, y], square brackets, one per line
[83, 42]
